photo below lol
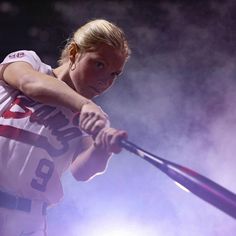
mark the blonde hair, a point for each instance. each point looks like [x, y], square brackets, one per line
[92, 34]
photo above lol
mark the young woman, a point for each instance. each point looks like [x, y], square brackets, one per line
[48, 123]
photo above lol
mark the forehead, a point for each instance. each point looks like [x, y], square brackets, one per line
[109, 54]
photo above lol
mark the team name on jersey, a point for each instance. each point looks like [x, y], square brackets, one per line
[55, 121]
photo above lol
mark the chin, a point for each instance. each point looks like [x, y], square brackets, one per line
[89, 96]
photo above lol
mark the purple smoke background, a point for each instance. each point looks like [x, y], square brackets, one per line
[176, 99]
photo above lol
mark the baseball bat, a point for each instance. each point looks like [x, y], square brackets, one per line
[199, 185]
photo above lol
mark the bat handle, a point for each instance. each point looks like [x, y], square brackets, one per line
[129, 146]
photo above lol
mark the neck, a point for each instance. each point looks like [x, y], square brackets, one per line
[62, 73]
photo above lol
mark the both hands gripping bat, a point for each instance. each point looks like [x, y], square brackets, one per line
[201, 186]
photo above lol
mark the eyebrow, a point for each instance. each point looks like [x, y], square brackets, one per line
[100, 57]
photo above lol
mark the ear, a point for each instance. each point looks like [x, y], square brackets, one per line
[73, 50]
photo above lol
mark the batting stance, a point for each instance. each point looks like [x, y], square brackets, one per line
[48, 123]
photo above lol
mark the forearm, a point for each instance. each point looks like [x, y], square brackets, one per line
[54, 92]
[41, 87]
[89, 163]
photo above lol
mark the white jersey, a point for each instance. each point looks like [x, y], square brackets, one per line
[37, 141]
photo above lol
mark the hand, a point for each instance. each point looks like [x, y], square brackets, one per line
[93, 119]
[109, 139]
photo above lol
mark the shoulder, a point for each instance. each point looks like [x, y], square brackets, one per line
[30, 57]
[23, 55]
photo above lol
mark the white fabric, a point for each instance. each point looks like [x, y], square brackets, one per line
[37, 141]
[19, 223]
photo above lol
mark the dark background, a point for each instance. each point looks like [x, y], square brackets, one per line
[176, 98]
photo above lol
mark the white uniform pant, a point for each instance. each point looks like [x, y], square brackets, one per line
[20, 223]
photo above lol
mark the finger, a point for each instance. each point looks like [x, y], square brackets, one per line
[85, 118]
[118, 135]
[98, 126]
[109, 140]
[109, 135]
[83, 115]
[89, 121]
[93, 124]
[99, 140]
[115, 141]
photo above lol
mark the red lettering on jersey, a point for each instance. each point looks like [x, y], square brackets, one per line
[42, 115]
[16, 55]
[17, 114]
[20, 54]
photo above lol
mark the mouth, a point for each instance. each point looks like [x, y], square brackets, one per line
[97, 91]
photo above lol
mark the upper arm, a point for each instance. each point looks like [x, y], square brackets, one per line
[21, 67]
[34, 84]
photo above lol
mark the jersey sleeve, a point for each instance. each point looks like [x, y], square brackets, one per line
[23, 55]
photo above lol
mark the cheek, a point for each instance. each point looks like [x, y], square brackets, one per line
[85, 74]
[83, 69]
[75, 75]
[89, 76]
[78, 73]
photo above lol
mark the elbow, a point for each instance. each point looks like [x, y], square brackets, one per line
[83, 176]
[86, 170]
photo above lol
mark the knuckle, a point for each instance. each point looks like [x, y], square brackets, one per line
[92, 113]
[97, 127]
[97, 116]
[109, 136]
[101, 122]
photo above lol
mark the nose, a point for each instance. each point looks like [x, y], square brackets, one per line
[105, 83]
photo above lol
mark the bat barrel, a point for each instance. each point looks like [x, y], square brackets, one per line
[198, 184]
[204, 188]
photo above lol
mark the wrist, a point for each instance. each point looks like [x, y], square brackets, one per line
[100, 149]
[83, 102]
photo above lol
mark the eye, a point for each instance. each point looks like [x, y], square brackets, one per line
[100, 65]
